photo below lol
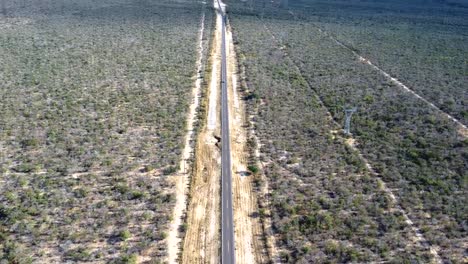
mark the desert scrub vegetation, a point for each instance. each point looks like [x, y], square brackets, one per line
[326, 206]
[93, 97]
[423, 45]
[419, 153]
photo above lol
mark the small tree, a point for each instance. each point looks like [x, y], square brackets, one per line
[254, 169]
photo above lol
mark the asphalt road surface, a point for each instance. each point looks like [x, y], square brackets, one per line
[227, 223]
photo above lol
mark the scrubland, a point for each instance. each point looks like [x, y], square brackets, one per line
[327, 205]
[94, 98]
[423, 45]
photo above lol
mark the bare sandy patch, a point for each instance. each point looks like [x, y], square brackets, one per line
[201, 244]
[214, 89]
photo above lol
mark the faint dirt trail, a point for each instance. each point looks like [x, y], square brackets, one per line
[418, 236]
[250, 247]
[202, 243]
[181, 179]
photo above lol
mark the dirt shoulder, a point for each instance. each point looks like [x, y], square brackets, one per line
[201, 243]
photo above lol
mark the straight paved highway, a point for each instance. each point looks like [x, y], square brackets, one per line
[227, 223]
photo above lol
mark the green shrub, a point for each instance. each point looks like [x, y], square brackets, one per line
[128, 259]
[169, 170]
[124, 235]
[254, 169]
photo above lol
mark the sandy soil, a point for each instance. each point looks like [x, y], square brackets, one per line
[181, 179]
[202, 244]
[213, 108]
[250, 247]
